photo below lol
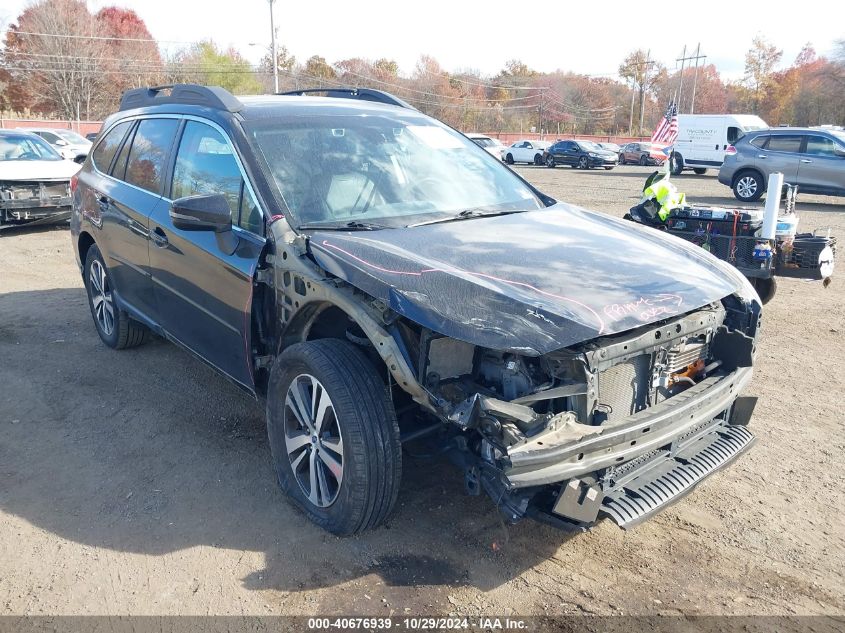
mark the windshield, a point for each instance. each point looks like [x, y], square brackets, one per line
[72, 137]
[25, 147]
[840, 136]
[483, 142]
[590, 146]
[391, 168]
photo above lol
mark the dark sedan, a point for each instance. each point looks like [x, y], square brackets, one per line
[582, 154]
[639, 154]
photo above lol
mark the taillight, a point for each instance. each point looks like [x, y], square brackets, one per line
[730, 151]
[74, 180]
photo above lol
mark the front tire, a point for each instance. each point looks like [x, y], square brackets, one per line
[643, 160]
[748, 186]
[334, 436]
[550, 162]
[676, 164]
[538, 160]
[584, 162]
[509, 159]
[699, 171]
[114, 326]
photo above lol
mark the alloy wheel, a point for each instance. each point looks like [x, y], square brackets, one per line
[313, 440]
[746, 187]
[101, 297]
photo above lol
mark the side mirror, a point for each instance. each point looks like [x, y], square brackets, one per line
[839, 152]
[203, 212]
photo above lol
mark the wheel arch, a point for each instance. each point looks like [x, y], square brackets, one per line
[83, 245]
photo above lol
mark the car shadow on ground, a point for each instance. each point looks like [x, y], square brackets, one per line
[149, 451]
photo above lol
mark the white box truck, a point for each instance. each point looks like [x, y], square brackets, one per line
[703, 139]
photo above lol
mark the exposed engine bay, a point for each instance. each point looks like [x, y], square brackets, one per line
[563, 436]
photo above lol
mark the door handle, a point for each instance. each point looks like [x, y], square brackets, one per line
[806, 160]
[159, 238]
[761, 156]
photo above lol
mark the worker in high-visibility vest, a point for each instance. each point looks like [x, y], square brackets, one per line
[666, 195]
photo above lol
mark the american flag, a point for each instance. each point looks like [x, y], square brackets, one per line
[667, 130]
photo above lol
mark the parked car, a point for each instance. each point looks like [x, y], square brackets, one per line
[640, 154]
[34, 180]
[91, 136]
[812, 158]
[611, 147]
[492, 146]
[581, 154]
[525, 151]
[66, 142]
[405, 289]
[704, 138]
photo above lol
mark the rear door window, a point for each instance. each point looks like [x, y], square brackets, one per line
[107, 148]
[785, 143]
[149, 153]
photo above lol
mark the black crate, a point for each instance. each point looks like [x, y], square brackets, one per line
[738, 250]
[800, 256]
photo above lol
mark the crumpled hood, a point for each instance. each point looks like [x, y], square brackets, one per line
[531, 282]
[37, 169]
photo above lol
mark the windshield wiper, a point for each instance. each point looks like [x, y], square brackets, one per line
[465, 214]
[352, 225]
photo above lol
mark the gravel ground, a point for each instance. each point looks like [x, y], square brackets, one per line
[139, 482]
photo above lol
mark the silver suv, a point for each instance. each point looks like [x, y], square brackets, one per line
[812, 158]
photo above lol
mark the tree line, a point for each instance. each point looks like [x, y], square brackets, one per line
[61, 60]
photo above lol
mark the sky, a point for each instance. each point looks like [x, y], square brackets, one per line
[590, 38]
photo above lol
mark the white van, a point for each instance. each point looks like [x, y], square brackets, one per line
[703, 139]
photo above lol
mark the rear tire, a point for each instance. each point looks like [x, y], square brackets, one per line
[676, 163]
[116, 329]
[766, 288]
[699, 171]
[748, 186]
[550, 162]
[357, 436]
[643, 160]
[584, 162]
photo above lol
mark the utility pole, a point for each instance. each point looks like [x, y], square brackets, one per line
[647, 64]
[274, 53]
[642, 89]
[683, 59]
[695, 76]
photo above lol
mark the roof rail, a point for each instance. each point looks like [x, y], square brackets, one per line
[365, 94]
[185, 94]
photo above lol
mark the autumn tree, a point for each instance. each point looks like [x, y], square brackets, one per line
[317, 68]
[640, 73]
[760, 62]
[206, 64]
[133, 59]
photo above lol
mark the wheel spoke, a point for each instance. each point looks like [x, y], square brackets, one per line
[324, 403]
[95, 278]
[334, 444]
[323, 492]
[313, 495]
[333, 465]
[297, 442]
[298, 460]
[97, 300]
[295, 405]
[109, 305]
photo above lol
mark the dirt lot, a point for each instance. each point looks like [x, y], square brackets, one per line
[140, 482]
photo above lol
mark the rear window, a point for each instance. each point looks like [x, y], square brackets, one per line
[107, 148]
[760, 141]
[148, 156]
[820, 146]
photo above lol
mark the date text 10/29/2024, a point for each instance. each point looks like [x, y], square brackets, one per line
[417, 624]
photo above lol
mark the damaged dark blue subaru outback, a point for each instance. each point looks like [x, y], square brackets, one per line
[383, 281]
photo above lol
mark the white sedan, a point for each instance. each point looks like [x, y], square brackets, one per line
[525, 151]
[34, 180]
[492, 146]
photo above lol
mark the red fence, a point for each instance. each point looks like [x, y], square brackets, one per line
[83, 127]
